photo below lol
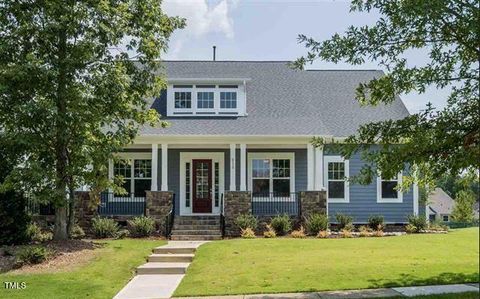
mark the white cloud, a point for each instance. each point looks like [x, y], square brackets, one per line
[201, 17]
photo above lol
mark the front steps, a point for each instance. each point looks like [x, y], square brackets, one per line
[173, 258]
[188, 228]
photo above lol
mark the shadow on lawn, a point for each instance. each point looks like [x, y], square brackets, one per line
[411, 280]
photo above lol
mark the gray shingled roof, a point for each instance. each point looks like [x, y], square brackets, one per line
[280, 101]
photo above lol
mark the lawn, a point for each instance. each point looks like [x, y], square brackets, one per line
[102, 277]
[242, 266]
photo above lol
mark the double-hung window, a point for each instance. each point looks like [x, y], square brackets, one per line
[136, 175]
[271, 174]
[336, 175]
[387, 189]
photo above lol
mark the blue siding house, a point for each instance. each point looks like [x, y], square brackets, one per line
[247, 126]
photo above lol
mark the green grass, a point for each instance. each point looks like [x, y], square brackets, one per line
[300, 265]
[101, 277]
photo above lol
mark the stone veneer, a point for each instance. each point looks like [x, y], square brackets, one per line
[158, 205]
[235, 204]
[84, 210]
[313, 202]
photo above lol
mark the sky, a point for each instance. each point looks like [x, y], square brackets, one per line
[268, 30]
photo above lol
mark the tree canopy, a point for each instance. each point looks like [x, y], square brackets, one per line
[436, 140]
[70, 93]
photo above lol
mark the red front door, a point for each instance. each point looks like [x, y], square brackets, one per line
[202, 186]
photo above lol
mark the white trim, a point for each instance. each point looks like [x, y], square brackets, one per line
[319, 168]
[332, 159]
[216, 157]
[148, 139]
[233, 173]
[164, 167]
[207, 80]
[110, 173]
[415, 199]
[243, 167]
[271, 156]
[399, 198]
[310, 167]
[154, 186]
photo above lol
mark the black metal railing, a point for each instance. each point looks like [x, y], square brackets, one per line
[169, 219]
[222, 217]
[121, 205]
[35, 208]
[273, 203]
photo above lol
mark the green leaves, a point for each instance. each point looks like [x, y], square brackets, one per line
[440, 140]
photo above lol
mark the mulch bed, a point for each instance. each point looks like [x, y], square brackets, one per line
[66, 254]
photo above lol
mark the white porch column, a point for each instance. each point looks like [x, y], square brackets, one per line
[154, 186]
[164, 167]
[319, 168]
[243, 167]
[310, 167]
[110, 173]
[415, 199]
[233, 186]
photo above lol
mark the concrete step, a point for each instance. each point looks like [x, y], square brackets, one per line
[196, 232]
[195, 237]
[196, 227]
[203, 217]
[162, 268]
[174, 250]
[196, 222]
[171, 258]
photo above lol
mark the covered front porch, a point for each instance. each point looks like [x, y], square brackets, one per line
[199, 170]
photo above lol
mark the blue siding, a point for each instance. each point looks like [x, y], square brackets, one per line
[363, 200]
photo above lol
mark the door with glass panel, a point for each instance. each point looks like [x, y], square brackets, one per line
[202, 186]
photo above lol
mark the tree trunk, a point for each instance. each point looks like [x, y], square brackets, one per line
[61, 156]
[71, 211]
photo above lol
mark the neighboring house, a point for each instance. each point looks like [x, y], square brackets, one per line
[246, 127]
[440, 206]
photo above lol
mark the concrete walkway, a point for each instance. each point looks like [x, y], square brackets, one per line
[366, 293]
[160, 276]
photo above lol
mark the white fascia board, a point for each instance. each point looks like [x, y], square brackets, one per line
[206, 80]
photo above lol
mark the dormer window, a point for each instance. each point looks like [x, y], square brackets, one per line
[206, 99]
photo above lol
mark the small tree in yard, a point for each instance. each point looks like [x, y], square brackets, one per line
[463, 208]
[435, 141]
[70, 94]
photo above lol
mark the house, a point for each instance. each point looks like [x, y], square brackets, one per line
[440, 205]
[239, 142]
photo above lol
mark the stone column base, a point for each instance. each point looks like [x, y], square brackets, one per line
[313, 202]
[235, 204]
[158, 205]
[84, 210]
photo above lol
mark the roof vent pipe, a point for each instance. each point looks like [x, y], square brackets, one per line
[214, 52]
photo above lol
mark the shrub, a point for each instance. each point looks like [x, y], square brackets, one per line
[104, 227]
[141, 226]
[378, 233]
[33, 255]
[343, 220]
[365, 231]
[248, 233]
[281, 224]
[13, 218]
[245, 221]
[316, 223]
[437, 226]
[345, 233]
[77, 232]
[323, 234]
[298, 234]
[411, 229]
[122, 234]
[375, 221]
[350, 227]
[270, 232]
[420, 222]
[36, 235]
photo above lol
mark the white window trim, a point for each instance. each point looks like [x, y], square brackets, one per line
[130, 156]
[216, 110]
[271, 156]
[328, 159]
[187, 157]
[399, 198]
